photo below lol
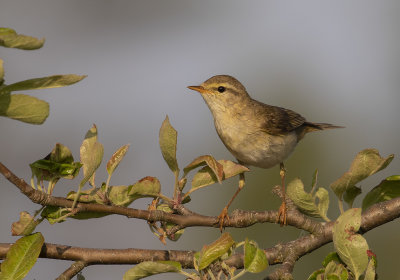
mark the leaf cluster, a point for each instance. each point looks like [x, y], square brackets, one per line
[24, 107]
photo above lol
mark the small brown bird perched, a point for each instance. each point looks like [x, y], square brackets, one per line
[256, 134]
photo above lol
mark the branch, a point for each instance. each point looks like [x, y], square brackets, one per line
[286, 254]
[373, 217]
[238, 218]
[73, 270]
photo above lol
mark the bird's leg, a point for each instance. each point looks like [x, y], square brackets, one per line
[224, 213]
[282, 208]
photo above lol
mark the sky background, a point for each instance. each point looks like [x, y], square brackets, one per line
[330, 61]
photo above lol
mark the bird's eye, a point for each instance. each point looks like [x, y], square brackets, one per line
[221, 89]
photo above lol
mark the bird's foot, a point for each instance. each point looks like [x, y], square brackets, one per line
[222, 217]
[282, 214]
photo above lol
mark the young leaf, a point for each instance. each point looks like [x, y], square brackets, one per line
[386, 190]
[332, 256]
[316, 274]
[116, 159]
[350, 246]
[303, 200]
[370, 273]
[145, 269]
[21, 257]
[366, 163]
[91, 153]
[350, 195]
[25, 225]
[58, 164]
[1, 72]
[168, 139]
[214, 165]
[255, 260]
[167, 226]
[323, 204]
[206, 176]
[215, 250]
[306, 202]
[54, 213]
[45, 82]
[145, 187]
[314, 180]
[23, 107]
[10, 39]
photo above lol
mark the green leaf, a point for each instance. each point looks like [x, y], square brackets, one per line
[117, 195]
[210, 253]
[116, 159]
[316, 273]
[351, 247]
[332, 256]
[168, 139]
[168, 226]
[54, 213]
[386, 190]
[255, 260]
[43, 83]
[146, 269]
[91, 153]
[1, 72]
[21, 257]
[58, 164]
[10, 39]
[350, 195]
[323, 204]
[314, 180]
[335, 271]
[306, 202]
[370, 273]
[23, 107]
[145, 187]
[205, 176]
[25, 225]
[208, 160]
[366, 163]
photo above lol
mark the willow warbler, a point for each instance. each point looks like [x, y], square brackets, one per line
[255, 133]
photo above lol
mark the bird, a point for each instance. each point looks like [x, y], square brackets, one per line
[256, 134]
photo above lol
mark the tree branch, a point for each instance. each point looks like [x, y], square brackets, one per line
[286, 254]
[281, 253]
[73, 270]
[238, 218]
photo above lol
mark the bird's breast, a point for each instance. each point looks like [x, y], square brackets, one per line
[253, 146]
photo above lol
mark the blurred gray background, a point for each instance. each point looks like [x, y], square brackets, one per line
[331, 61]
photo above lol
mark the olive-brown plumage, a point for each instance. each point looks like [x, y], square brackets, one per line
[257, 134]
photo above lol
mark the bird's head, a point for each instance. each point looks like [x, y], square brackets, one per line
[222, 91]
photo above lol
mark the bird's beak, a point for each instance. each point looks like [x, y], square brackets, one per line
[198, 88]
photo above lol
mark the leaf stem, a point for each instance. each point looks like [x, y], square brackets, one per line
[340, 202]
[108, 183]
[176, 185]
[163, 197]
[240, 274]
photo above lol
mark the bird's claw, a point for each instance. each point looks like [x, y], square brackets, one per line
[282, 214]
[222, 217]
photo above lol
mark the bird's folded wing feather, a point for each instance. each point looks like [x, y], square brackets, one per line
[277, 120]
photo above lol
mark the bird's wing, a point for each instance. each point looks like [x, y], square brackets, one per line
[277, 120]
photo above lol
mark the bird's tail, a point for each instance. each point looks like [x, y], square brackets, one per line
[310, 127]
[320, 126]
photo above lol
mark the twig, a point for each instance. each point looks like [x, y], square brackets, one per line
[238, 219]
[73, 270]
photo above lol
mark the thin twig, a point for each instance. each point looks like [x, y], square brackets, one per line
[73, 270]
